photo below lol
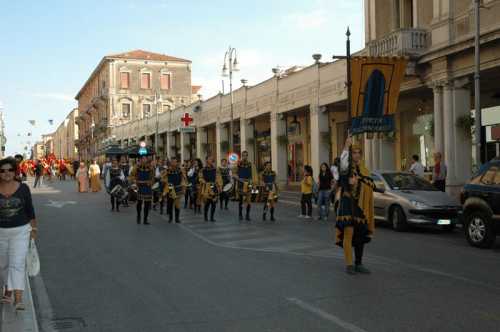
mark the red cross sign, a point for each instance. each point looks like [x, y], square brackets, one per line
[186, 119]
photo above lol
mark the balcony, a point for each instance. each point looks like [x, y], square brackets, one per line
[403, 42]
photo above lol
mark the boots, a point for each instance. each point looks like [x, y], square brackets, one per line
[212, 212]
[241, 212]
[264, 215]
[272, 214]
[248, 213]
[205, 210]
[177, 215]
[138, 219]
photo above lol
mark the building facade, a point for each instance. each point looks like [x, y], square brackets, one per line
[125, 88]
[65, 137]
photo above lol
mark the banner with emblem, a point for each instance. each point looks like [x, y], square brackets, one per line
[375, 86]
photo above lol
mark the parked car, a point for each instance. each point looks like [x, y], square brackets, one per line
[481, 203]
[405, 199]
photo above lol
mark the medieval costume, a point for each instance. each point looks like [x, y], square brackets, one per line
[247, 178]
[268, 180]
[142, 176]
[114, 177]
[94, 175]
[355, 215]
[194, 184]
[82, 178]
[173, 181]
[226, 175]
[211, 183]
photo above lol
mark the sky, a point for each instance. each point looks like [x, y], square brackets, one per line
[49, 48]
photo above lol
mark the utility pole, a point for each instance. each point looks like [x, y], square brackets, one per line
[477, 84]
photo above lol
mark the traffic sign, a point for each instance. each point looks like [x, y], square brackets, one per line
[186, 119]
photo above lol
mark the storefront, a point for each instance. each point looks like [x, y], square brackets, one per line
[262, 141]
[298, 144]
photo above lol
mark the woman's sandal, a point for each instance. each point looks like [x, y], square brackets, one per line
[19, 306]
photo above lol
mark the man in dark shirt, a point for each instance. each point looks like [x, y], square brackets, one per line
[38, 173]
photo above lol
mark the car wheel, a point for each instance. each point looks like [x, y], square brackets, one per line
[479, 230]
[398, 219]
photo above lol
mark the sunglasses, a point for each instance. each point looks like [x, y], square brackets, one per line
[5, 170]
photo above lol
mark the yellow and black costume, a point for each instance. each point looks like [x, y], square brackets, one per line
[270, 195]
[247, 179]
[225, 173]
[355, 215]
[174, 183]
[211, 182]
[143, 177]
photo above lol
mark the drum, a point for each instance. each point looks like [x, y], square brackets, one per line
[132, 193]
[119, 192]
[156, 186]
[228, 187]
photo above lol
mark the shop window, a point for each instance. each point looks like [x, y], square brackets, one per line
[126, 111]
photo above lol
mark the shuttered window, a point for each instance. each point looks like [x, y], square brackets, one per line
[125, 111]
[145, 81]
[165, 81]
[125, 80]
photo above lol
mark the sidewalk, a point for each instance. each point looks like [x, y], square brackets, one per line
[24, 321]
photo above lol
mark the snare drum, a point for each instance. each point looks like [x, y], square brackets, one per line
[228, 187]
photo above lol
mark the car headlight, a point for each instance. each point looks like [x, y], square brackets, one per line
[419, 205]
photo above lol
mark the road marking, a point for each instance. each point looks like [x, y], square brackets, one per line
[59, 204]
[325, 315]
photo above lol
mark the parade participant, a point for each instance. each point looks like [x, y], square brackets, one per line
[354, 222]
[226, 175]
[211, 182]
[193, 178]
[62, 170]
[19, 174]
[82, 178]
[174, 182]
[125, 167]
[325, 181]
[187, 192]
[94, 175]
[306, 188]
[246, 177]
[114, 176]
[143, 176]
[38, 173]
[268, 180]
[76, 165]
[160, 171]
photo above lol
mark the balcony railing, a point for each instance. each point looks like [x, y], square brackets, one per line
[403, 42]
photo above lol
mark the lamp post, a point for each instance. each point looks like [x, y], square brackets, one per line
[230, 66]
[477, 88]
[158, 101]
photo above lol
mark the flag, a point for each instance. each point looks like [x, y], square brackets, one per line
[51, 122]
[32, 122]
[375, 83]
[29, 134]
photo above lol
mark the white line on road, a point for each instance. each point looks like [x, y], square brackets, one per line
[325, 315]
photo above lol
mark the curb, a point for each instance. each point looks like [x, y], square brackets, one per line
[23, 321]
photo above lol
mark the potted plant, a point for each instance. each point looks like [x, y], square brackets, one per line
[282, 139]
[465, 123]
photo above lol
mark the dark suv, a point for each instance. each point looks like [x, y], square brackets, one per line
[481, 205]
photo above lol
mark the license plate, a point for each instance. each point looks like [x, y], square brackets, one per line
[444, 222]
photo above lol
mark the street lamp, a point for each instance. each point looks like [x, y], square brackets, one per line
[230, 66]
[158, 100]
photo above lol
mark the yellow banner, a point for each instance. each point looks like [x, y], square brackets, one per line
[375, 83]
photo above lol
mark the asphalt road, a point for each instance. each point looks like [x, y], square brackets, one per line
[103, 272]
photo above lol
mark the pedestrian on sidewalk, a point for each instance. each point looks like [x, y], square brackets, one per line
[17, 224]
[355, 218]
[416, 166]
[82, 178]
[439, 172]
[306, 188]
[325, 180]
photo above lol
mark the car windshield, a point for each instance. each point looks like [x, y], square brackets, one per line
[403, 181]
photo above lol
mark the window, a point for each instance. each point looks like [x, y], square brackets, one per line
[146, 110]
[165, 81]
[125, 111]
[145, 81]
[124, 80]
[165, 108]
